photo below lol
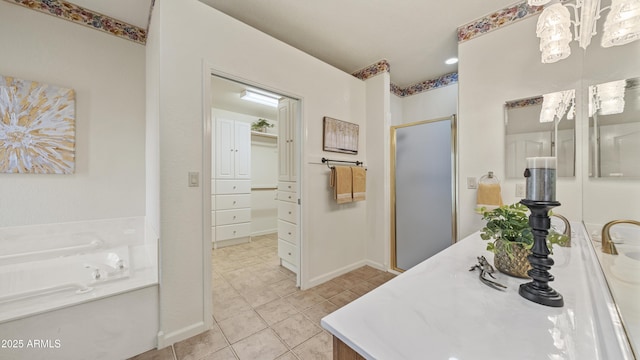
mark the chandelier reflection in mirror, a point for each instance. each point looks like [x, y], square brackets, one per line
[621, 26]
[556, 105]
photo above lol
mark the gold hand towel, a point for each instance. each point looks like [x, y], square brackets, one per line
[489, 196]
[342, 184]
[359, 175]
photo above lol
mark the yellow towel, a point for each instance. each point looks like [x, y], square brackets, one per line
[489, 196]
[341, 183]
[359, 175]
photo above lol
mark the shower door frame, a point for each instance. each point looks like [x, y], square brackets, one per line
[454, 182]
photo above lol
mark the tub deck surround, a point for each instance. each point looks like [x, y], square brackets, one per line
[440, 308]
[48, 267]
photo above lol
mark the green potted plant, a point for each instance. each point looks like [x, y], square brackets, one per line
[261, 125]
[511, 238]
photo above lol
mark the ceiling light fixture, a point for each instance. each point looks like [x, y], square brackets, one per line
[260, 98]
[451, 61]
[621, 26]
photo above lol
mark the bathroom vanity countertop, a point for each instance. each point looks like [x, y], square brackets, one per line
[440, 310]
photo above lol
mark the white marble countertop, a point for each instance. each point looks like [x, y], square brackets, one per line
[440, 310]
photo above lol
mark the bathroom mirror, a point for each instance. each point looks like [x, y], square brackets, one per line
[614, 129]
[540, 126]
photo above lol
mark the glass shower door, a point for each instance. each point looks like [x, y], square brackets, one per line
[423, 166]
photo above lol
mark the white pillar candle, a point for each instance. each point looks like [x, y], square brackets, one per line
[541, 178]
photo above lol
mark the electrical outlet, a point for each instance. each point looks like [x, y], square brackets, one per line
[520, 191]
[472, 183]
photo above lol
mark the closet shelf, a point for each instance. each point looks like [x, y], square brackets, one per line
[267, 135]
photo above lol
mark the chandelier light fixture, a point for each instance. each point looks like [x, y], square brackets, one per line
[621, 26]
[555, 106]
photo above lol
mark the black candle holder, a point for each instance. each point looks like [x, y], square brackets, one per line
[538, 290]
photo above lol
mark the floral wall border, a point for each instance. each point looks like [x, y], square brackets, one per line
[373, 70]
[496, 20]
[86, 17]
[536, 100]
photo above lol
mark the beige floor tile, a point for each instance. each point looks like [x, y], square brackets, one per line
[285, 287]
[288, 356]
[200, 346]
[319, 311]
[362, 288]
[242, 325]
[272, 276]
[295, 330]
[229, 307]
[343, 298]
[286, 271]
[381, 279]
[346, 282]
[276, 311]
[263, 345]
[328, 289]
[368, 272]
[247, 283]
[304, 299]
[260, 296]
[162, 354]
[319, 347]
[224, 354]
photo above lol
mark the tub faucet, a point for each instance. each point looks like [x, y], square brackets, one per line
[608, 247]
[567, 228]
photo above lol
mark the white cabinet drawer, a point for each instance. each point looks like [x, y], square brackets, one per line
[287, 186]
[233, 187]
[225, 232]
[213, 218]
[287, 196]
[227, 202]
[226, 217]
[288, 231]
[288, 211]
[287, 252]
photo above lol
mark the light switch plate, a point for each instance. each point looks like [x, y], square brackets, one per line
[472, 183]
[520, 192]
[194, 179]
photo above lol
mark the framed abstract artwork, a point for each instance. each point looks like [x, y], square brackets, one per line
[37, 127]
[340, 136]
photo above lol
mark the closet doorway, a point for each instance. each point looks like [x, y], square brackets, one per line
[423, 190]
[254, 167]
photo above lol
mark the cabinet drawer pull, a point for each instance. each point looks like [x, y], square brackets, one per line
[289, 254]
[289, 233]
[289, 196]
[234, 187]
[289, 212]
[234, 216]
[234, 202]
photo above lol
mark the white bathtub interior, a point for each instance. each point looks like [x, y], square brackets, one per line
[60, 270]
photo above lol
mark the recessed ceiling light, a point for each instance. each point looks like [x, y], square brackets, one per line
[451, 61]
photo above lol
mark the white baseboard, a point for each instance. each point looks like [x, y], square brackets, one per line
[333, 274]
[264, 232]
[376, 265]
[236, 241]
[181, 334]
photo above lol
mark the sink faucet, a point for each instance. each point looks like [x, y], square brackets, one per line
[608, 247]
[567, 228]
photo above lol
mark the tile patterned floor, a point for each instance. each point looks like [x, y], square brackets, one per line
[260, 314]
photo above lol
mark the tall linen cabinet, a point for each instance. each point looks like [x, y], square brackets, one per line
[231, 183]
[288, 203]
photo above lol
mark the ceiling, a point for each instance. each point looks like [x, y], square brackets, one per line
[414, 36]
[225, 94]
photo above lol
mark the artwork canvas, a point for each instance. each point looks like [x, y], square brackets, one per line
[340, 136]
[37, 127]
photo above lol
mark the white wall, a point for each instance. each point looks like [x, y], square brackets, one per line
[108, 75]
[496, 67]
[432, 104]
[333, 236]
[378, 163]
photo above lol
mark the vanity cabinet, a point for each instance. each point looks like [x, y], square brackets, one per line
[233, 149]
